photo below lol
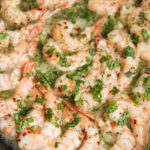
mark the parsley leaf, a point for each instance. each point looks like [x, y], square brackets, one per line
[112, 64]
[114, 90]
[96, 91]
[135, 97]
[142, 18]
[111, 107]
[48, 78]
[147, 93]
[92, 51]
[81, 70]
[128, 52]
[75, 122]
[3, 35]
[49, 114]
[63, 87]
[123, 118]
[128, 74]
[145, 34]
[40, 100]
[108, 26]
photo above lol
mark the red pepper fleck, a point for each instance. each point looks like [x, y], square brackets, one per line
[24, 134]
[18, 140]
[59, 89]
[135, 121]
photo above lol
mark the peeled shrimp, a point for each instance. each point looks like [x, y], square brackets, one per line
[103, 7]
[120, 41]
[8, 126]
[22, 90]
[62, 35]
[23, 17]
[139, 116]
[9, 81]
[47, 132]
[143, 49]
[73, 61]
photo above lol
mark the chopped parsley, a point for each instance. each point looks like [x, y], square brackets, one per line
[138, 2]
[32, 21]
[111, 107]
[135, 38]
[81, 70]
[28, 75]
[63, 87]
[147, 89]
[114, 90]
[74, 123]
[60, 106]
[49, 114]
[96, 91]
[142, 18]
[63, 60]
[135, 97]
[128, 74]
[82, 36]
[123, 118]
[19, 116]
[92, 51]
[128, 52]
[77, 92]
[3, 35]
[145, 34]
[21, 123]
[108, 26]
[26, 5]
[6, 94]
[40, 100]
[111, 64]
[48, 78]
[50, 50]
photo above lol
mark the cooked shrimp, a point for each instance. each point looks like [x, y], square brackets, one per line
[141, 88]
[139, 116]
[64, 63]
[62, 35]
[22, 90]
[84, 134]
[102, 7]
[119, 137]
[17, 59]
[143, 50]
[48, 131]
[9, 81]
[129, 64]
[23, 17]
[8, 126]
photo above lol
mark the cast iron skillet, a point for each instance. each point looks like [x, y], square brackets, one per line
[3, 146]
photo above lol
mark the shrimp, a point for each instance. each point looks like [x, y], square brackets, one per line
[8, 126]
[103, 8]
[15, 59]
[62, 35]
[20, 17]
[129, 64]
[22, 90]
[83, 135]
[141, 88]
[62, 62]
[119, 137]
[139, 116]
[48, 131]
[10, 80]
[143, 49]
